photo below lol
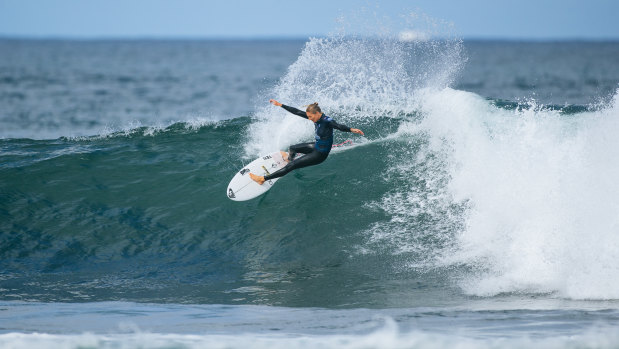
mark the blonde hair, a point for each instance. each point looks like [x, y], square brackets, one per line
[313, 108]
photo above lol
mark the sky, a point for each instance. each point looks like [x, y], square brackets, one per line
[249, 19]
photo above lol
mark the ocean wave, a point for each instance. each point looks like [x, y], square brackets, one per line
[494, 200]
[447, 191]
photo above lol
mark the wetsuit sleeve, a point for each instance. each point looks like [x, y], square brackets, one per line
[295, 111]
[340, 127]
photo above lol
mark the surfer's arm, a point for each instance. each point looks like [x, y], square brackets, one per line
[345, 128]
[340, 127]
[295, 111]
[292, 110]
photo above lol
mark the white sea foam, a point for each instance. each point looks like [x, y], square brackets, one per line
[544, 201]
[540, 191]
[539, 188]
[387, 337]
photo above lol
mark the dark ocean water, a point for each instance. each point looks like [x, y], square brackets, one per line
[480, 209]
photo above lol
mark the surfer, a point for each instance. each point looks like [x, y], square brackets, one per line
[315, 152]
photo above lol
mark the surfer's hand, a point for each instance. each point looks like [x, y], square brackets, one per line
[356, 130]
[274, 102]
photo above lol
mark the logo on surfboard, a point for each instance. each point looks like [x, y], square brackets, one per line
[231, 193]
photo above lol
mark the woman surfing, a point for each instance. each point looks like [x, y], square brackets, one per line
[315, 152]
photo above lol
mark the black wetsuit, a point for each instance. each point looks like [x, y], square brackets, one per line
[315, 152]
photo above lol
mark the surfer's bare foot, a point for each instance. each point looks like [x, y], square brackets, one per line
[257, 179]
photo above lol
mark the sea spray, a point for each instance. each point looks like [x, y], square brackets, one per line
[360, 80]
[376, 82]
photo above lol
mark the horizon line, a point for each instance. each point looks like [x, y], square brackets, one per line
[277, 38]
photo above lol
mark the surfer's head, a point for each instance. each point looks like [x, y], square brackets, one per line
[313, 108]
[313, 112]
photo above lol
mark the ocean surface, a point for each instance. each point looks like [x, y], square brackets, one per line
[480, 209]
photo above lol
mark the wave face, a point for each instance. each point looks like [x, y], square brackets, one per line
[450, 195]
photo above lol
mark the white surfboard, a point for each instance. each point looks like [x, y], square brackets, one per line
[242, 187]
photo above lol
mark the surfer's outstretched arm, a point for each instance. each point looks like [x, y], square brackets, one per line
[304, 115]
[345, 128]
[295, 111]
[275, 103]
[289, 109]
